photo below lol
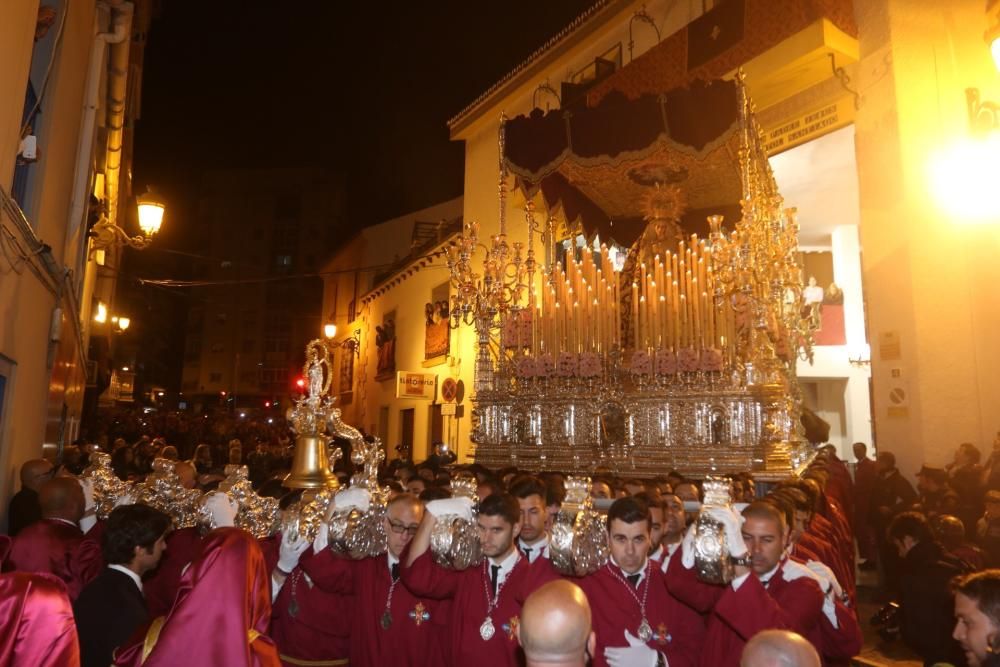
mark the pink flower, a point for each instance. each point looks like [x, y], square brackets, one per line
[711, 360]
[642, 363]
[687, 359]
[526, 367]
[666, 362]
[567, 364]
[590, 365]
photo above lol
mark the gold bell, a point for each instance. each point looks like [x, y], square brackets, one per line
[311, 465]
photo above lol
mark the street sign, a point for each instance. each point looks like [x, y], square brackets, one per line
[449, 390]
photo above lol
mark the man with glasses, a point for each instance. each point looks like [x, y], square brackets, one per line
[24, 506]
[388, 624]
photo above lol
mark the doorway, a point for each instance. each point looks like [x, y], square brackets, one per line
[406, 418]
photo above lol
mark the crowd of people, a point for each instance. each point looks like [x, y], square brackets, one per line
[132, 590]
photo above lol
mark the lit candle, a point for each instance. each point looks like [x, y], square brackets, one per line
[635, 314]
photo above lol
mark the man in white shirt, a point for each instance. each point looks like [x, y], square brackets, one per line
[530, 494]
[111, 607]
[673, 527]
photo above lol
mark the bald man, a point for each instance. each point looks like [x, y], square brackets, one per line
[187, 474]
[24, 507]
[779, 648]
[555, 626]
[56, 545]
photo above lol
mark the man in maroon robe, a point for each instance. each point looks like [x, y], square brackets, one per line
[636, 620]
[56, 545]
[389, 625]
[309, 624]
[183, 546]
[36, 622]
[770, 592]
[533, 542]
[485, 599]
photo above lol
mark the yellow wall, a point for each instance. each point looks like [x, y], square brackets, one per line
[46, 374]
[930, 281]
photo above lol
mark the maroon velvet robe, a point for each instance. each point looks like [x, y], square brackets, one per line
[309, 622]
[220, 615]
[36, 622]
[418, 634]
[829, 557]
[160, 587]
[467, 591]
[59, 548]
[677, 629]
[734, 616]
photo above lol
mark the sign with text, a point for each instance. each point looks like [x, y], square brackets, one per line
[415, 385]
[809, 126]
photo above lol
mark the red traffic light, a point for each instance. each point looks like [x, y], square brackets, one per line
[300, 383]
[267, 404]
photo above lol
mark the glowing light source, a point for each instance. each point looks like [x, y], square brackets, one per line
[329, 330]
[125, 368]
[300, 383]
[123, 323]
[102, 313]
[963, 180]
[150, 213]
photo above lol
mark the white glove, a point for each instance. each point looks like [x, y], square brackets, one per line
[636, 654]
[222, 508]
[687, 548]
[353, 497]
[89, 517]
[292, 546]
[733, 524]
[827, 579]
[87, 485]
[793, 570]
[458, 506]
[322, 540]
[125, 499]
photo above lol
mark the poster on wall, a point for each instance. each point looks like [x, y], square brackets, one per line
[385, 342]
[436, 336]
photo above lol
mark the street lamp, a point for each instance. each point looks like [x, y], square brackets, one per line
[150, 210]
[352, 342]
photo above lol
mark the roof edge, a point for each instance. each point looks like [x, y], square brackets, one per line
[582, 26]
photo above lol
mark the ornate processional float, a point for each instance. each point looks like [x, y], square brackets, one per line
[661, 325]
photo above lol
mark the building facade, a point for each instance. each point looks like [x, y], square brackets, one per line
[69, 89]
[262, 237]
[384, 291]
[857, 101]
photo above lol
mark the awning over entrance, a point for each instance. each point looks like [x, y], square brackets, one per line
[599, 164]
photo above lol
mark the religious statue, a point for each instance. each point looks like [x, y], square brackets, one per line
[385, 341]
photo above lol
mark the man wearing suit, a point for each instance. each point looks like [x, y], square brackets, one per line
[112, 606]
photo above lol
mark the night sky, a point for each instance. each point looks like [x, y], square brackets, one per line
[365, 89]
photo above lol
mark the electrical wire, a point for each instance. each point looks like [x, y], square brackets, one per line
[271, 279]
